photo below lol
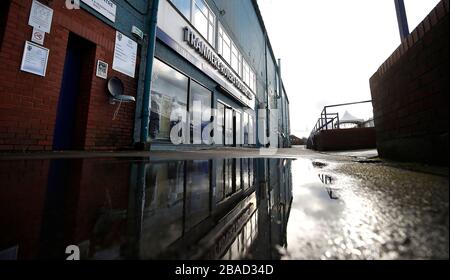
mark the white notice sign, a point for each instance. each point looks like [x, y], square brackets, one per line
[34, 59]
[125, 53]
[105, 7]
[41, 17]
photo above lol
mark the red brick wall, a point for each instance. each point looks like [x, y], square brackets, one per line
[410, 94]
[28, 103]
[345, 139]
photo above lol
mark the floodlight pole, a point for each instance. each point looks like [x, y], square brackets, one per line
[402, 19]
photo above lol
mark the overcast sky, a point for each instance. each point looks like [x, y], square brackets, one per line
[330, 48]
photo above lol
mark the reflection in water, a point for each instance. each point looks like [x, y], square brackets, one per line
[328, 181]
[207, 209]
[119, 209]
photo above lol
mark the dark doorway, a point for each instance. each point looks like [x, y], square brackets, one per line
[4, 10]
[71, 119]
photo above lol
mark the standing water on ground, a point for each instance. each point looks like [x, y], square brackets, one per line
[227, 208]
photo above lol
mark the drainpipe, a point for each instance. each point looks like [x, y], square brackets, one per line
[144, 144]
[267, 90]
[280, 91]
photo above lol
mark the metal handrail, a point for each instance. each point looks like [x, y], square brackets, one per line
[333, 118]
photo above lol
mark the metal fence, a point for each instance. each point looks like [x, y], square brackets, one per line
[331, 120]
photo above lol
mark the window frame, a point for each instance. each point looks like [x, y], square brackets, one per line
[249, 75]
[209, 22]
[221, 35]
[219, 38]
[188, 107]
[238, 57]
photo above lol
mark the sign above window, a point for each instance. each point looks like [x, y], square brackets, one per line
[105, 7]
[195, 42]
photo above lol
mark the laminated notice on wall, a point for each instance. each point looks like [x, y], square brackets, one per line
[125, 54]
[35, 59]
[41, 17]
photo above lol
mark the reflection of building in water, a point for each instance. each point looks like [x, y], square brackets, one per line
[274, 209]
[219, 209]
[216, 208]
[201, 209]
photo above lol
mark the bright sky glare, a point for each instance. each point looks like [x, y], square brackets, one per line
[329, 49]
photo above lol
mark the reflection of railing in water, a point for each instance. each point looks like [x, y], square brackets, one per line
[328, 180]
[332, 193]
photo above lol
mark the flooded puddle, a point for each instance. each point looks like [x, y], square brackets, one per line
[141, 209]
[188, 209]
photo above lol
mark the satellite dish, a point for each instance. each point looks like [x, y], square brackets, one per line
[116, 89]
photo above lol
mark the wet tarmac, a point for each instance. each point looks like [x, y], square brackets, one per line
[294, 205]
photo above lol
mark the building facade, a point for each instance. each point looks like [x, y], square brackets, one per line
[212, 60]
[67, 106]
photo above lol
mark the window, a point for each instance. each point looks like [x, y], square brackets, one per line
[200, 106]
[203, 20]
[245, 72]
[184, 6]
[236, 60]
[224, 47]
[219, 134]
[251, 130]
[252, 81]
[201, 17]
[229, 127]
[248, 76]
[169, 93]
[245, 126]
[238, 128]
[230, 52]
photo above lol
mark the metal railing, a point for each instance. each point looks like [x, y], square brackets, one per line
[331, 120]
